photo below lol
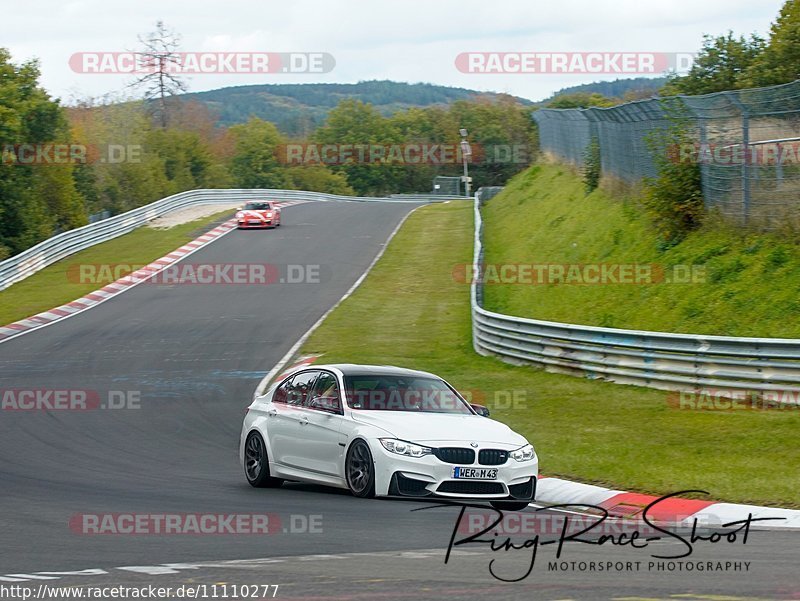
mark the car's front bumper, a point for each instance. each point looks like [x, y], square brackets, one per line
[254, 224]
[401, 485]
[428, 476]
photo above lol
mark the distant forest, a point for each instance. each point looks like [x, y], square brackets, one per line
[298, 109]
[634, 88]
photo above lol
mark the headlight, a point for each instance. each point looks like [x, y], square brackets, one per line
[401, 447]
[239, 215]
[269, 213]
[525, 453]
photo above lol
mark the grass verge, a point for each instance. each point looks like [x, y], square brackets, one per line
[55, 285]
[744, 284]
[410, 311]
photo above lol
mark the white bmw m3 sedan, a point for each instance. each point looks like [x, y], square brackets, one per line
[384, 431]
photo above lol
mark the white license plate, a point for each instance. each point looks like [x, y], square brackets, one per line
[474, 473]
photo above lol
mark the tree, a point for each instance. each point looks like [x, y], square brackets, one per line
[255, 161]
[118, 185]
[185, 156]
[38, 199]
[55, 186]
[160, 57]
[503, 137]
[674, 199]
[429, 126]
[779, 62]
[580, 100]
[418, 144]
[356, 123]
[317, 179]
[719, 66]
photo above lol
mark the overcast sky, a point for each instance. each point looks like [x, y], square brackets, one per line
[412, 41]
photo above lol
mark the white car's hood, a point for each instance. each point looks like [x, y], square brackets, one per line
[438, 428]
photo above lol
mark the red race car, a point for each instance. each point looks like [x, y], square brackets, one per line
[258, 214]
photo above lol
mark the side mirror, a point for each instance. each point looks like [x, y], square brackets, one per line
[480, 410]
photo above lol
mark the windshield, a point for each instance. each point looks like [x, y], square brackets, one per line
[402, 393]
[257, 206]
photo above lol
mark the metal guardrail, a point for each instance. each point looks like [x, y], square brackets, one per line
[62, 245]
[427, 197]
[652, 359]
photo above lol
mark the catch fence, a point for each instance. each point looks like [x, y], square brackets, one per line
[747, 143]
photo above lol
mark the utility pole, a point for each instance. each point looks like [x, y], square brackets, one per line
[466, 153]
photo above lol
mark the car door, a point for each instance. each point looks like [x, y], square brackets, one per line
[320, 427]
[283, 418]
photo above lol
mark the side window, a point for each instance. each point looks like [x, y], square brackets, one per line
[281, 394]
[325, 394]
[300, 387]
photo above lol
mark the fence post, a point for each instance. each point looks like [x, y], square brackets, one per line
[746, 163]
[704, 148]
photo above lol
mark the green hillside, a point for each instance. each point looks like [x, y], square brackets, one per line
[740, 283]
[641, 443]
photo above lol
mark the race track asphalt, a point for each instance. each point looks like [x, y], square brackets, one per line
[190, 357]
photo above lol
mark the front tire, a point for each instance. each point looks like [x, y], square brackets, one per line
[256, 463]
[359, 470]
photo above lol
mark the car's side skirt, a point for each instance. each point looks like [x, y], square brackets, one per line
[290, 473]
